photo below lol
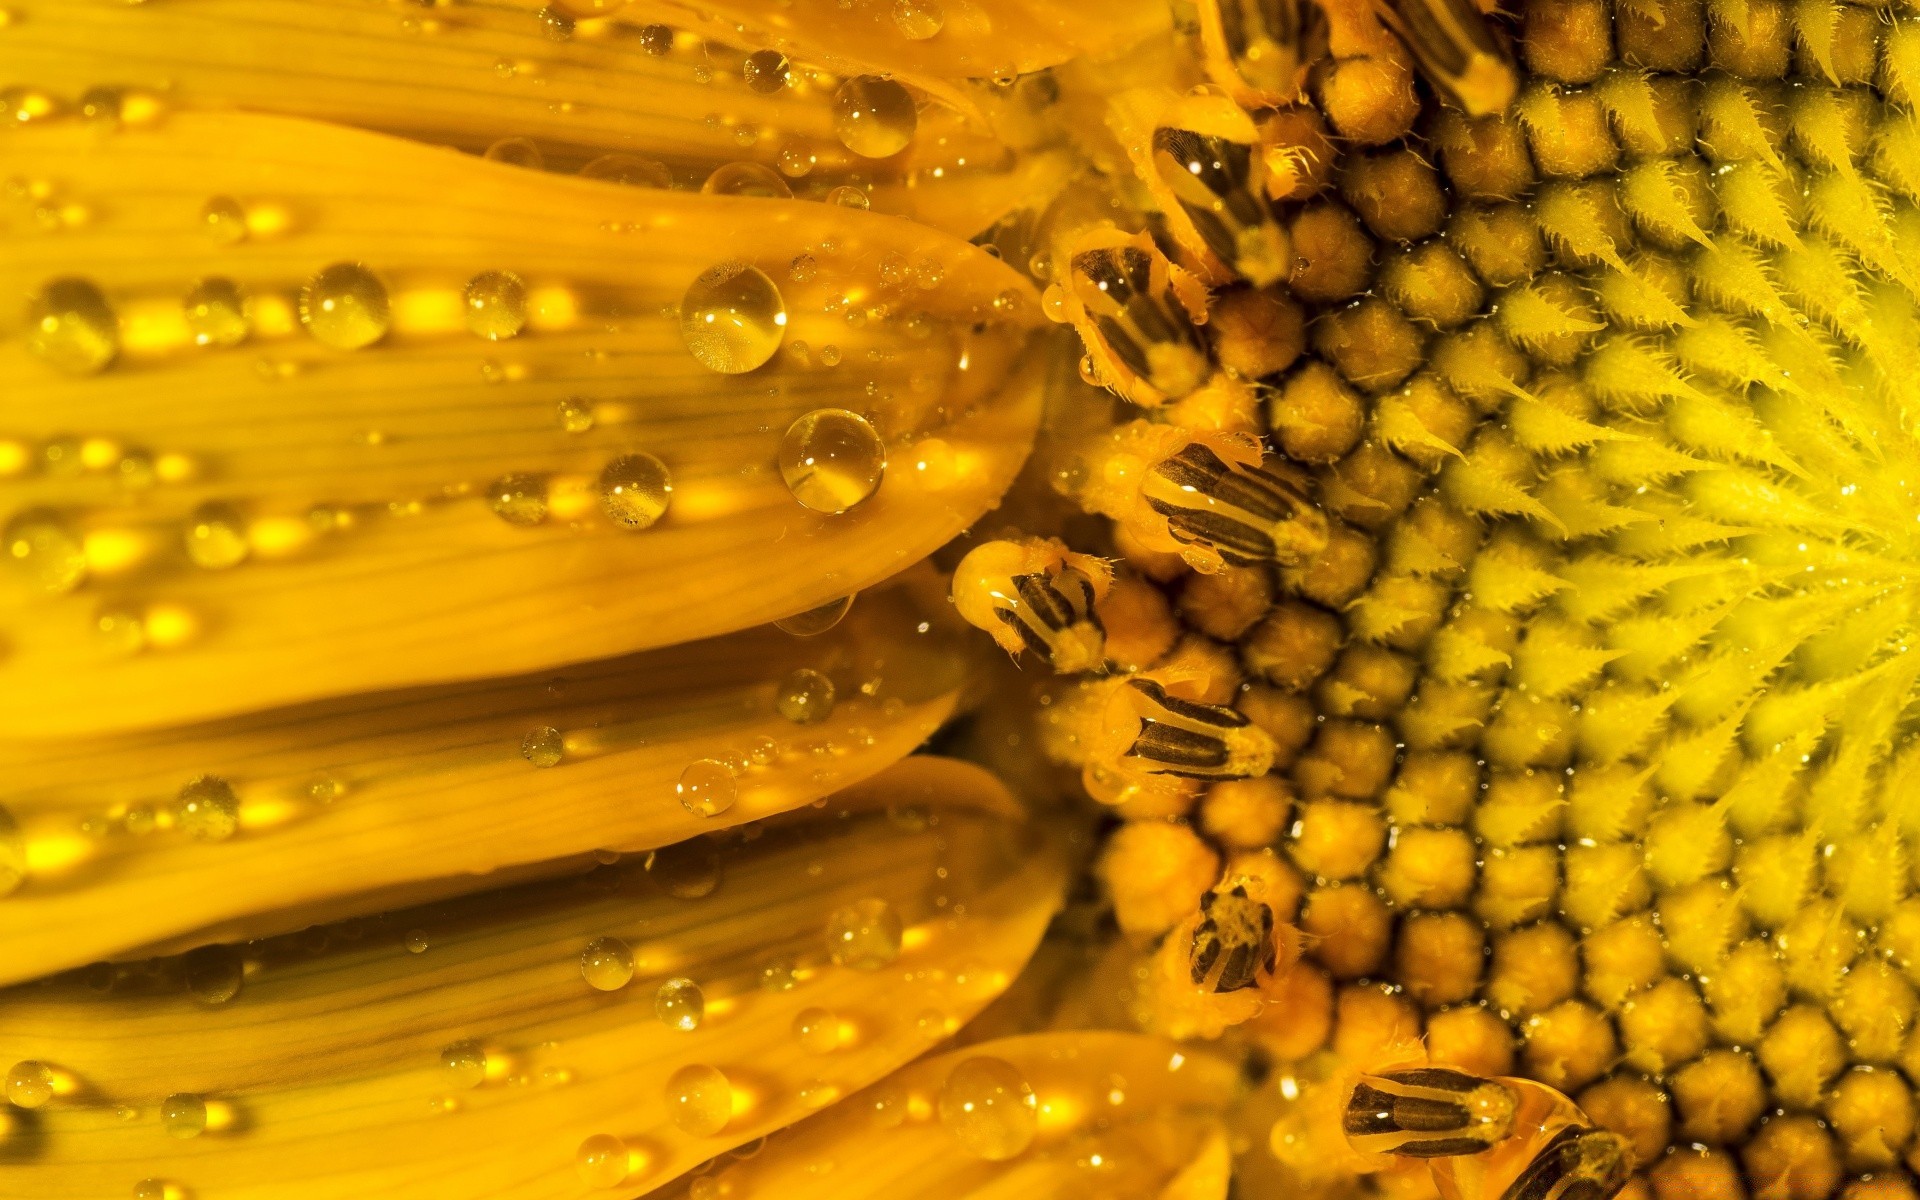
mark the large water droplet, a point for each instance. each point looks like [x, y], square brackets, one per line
[465, 1063]
[208, 809]
[732, 318]
[832, 459]
[918, 20]
[602, 1161]
[765, 71]
[183, 1115]
[30, 1084]
[635, 490]
[543, 747]
[45, 551]
[680, 1004]
[575, 414]
[706, 788]
[806, 697]
[987, 1104]
[864, 935]
[606, 964]
[685, 870]
[224, 220]
[817, 1030]
[496, 305]
[873, 117]
[216, 313]
[519, 498]
[345, 306]
[517, 152]
[747, 179]
[214, 974]
[216, 536]
[656, 39]
[816, 621]
[628, 170]
[72, 327]
[699, 1099]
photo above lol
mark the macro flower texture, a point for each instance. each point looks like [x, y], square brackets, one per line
[998, 599]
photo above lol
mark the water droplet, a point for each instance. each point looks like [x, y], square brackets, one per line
[932, 1023]
[832, 459]
[519, 498]
[705, 1187]
[543, 747]
[466, 1063]
[214, 974]
[224, 220]
[796, 162]
[183, 1115]
[732, 318]
[848, 196]
[72, 327]
[575, 414]
[151, 1189]
[805, 697]
[685, 870]
[656, 39]
[817, 1030]
[555, 24]
[680, 1004]
[216, 313]
[216, 536]
[803, 268]
[345, 306]
[747, 179]
[918, 20]
[699, 1099]
[987, 1104]
[706, 788]
[496, 305]
[208, 809]
[602, 1161]
[864, 935]
[13, 854]
[765, 71]
[416, 941]
[873, 117]
[45, 551]
[830, 355]
[816, 621]
[635, 490]
[778, 975]
[606, 964]
[628, 170]
[517, 152]
[30, 1084]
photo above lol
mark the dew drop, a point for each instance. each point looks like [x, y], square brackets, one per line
[208, 809]
[864, 935]
[848, 196]
[45, 551]
[543, 747]
[932, 1023]
[806, 697]
[216, 536]
[628, 170]
[214, 974]
[816, 621]
[465, 1063]
[602, 1161]
[30, 1084]
[796, 162]
[765, 71]
[988, 1106]
[803, 268]
[832, 459]
[699, 1099]
[416, 941]
[685, 870]
[606, 964]
[656, 40]
[747, 179]
[780, 975]
[635, 490]
[680, 1004]
[706, 1187]
[732, 318]
[224, 221]
[13, 854]
[496, 305]
[817, 1030]
[216, 313]
[151, 1189]
[575, 414]
[519, 498]
[517, 152]
[345, 306]
[706, 788]
[183, 1115]
[873, 117]
[918, 20]
[72, 327]
[556, 24]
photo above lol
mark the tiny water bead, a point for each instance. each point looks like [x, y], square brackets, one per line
[685, 870]
[345, 306]
[517, 152]
[817, 1030]
[214, 973]
[496, 305]
[656, 39]
[216, 313]
[680, 1004]
[602, 1161]
[848, 196]
[30, 1084]
[765, 71]
[699, 1099]
[816, 621]
[806, 697]
[45, 551]
[183, 1115]
[864, 935]
[543, 747]
[72, 328]
[151, 1189]
[707, 788]
[780, 975]
[208, 809]
[628, 170]
[216, 536]
[989, 1108]
[606, 964]
[832, 459]
[635, 490]
[873, 117]
[224, 220]
[919, 20]
[747, 179]
[732, 318]
[575, 414]
[416, 941]
[465, 1063]
[519, 499]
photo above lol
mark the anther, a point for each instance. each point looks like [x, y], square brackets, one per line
[1035, 594]
[1215, 181]
[1252, 48]
[1233, 942]
[1429, 1112]
[1246, 514]
[1192, 740]
[1457, 53]
[1123, 300]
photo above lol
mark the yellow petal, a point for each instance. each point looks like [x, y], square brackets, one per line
[358, 487]
[479, 1065]
[1113, 1115]
[347, 806]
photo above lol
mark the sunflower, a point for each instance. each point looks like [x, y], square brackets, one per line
[959, 598]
